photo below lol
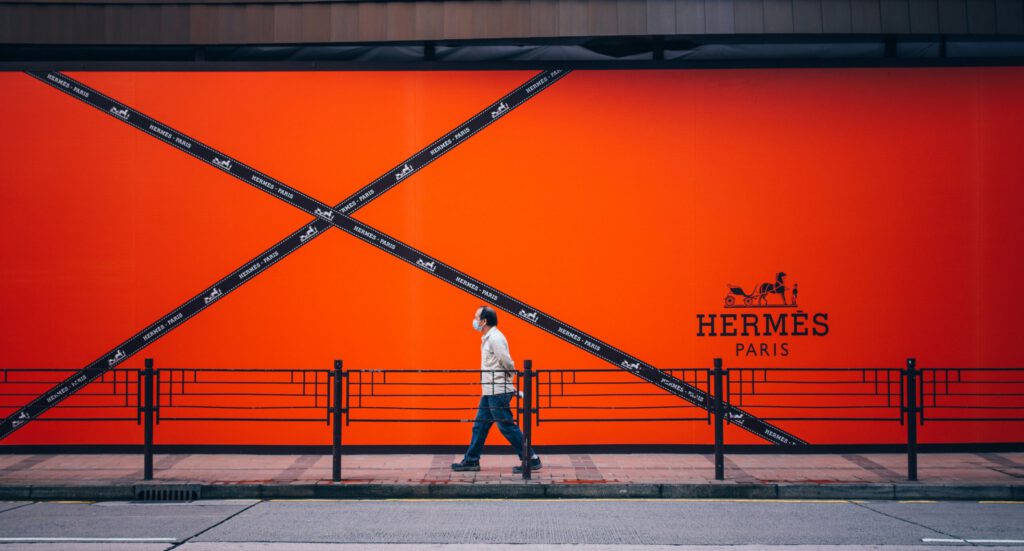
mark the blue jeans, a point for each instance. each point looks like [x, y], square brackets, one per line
[494, 409]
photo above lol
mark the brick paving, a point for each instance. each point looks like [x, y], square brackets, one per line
[989, 469]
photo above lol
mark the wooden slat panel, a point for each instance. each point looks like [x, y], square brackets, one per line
[807, 16]
[486, 20]
[749, 16]
[778, 16]
[27, 20]
[602, 15]
[40, 18]
[572, 17]
[429, 20]
[632, 16]
[690, 17]
[661, 16]
[8, 15]
[373, 21]
[836, 16]
[866, 16]
[719, 17]
[287, 23]
[401, 23]
[259, 22]
[515, 18]
[345, 22]
[319, 20]
[458, 19]
[60, 18]
[407, 20]
[924, 16]
[895, 16]
[230, 23]
[185, 2]
[201, 23]
[1010, 16]
[543, 18]
[90, 25]
[981, 16]
[952, 16]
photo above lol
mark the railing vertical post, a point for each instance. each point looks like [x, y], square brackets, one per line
[911, 401]
[719, 428]
[527, 387]
[336, 419]
[148, 410]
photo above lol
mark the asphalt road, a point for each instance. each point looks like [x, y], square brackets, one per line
[579, 525]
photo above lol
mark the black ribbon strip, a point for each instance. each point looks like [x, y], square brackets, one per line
[394, 247]
[269, 257]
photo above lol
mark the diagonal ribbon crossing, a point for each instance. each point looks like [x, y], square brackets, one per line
[339, 217]
[267, 258]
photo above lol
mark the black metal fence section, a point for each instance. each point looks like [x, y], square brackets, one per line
[603, 395]
[908, 396]
[416, 395]
[971, 395]
[114, 396]
[423, 395]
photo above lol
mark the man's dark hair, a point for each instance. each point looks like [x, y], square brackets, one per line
[489, 316]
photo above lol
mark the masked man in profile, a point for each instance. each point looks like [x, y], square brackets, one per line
[497, 374]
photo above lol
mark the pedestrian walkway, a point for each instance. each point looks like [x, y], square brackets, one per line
[845, 476]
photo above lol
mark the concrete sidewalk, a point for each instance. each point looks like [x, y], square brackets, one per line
[972, 476]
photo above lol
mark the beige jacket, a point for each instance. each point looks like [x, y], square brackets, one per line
[497, 369]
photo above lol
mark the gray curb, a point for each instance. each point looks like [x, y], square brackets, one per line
[532, 490]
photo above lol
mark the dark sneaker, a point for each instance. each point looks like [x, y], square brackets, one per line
[535, 465]
[463, 466]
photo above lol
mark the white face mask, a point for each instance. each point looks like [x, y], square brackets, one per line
[477, 326]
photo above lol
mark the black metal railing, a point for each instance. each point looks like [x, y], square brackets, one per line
[111, 397]
[908, 396]
[584, 395]
[424, 395]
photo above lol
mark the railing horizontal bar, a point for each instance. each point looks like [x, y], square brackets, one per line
[177, 383]
[985, 419]
[244, 419]
[242, 370]
[409, 420]
[244, 408]
[627, 420]
[412, 409]
[893, 419]
[620, 407]
[355, 394]
[186, 394]
[772, 406]
[759, 393]
[943, 406]
[736, 383]
[86, 419]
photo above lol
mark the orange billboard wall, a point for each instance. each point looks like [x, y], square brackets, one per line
[652, 209]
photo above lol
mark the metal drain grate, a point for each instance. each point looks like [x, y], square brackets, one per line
[166, 493]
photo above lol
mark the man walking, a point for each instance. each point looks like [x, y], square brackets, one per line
[497, 372]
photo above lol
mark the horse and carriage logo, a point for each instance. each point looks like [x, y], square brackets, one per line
[116, 358]
[759, 295]
[502, 108]
[325, 214]
[214, 295]
[310, 233]
[22, 418]
[406, 170]
[529, 316]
